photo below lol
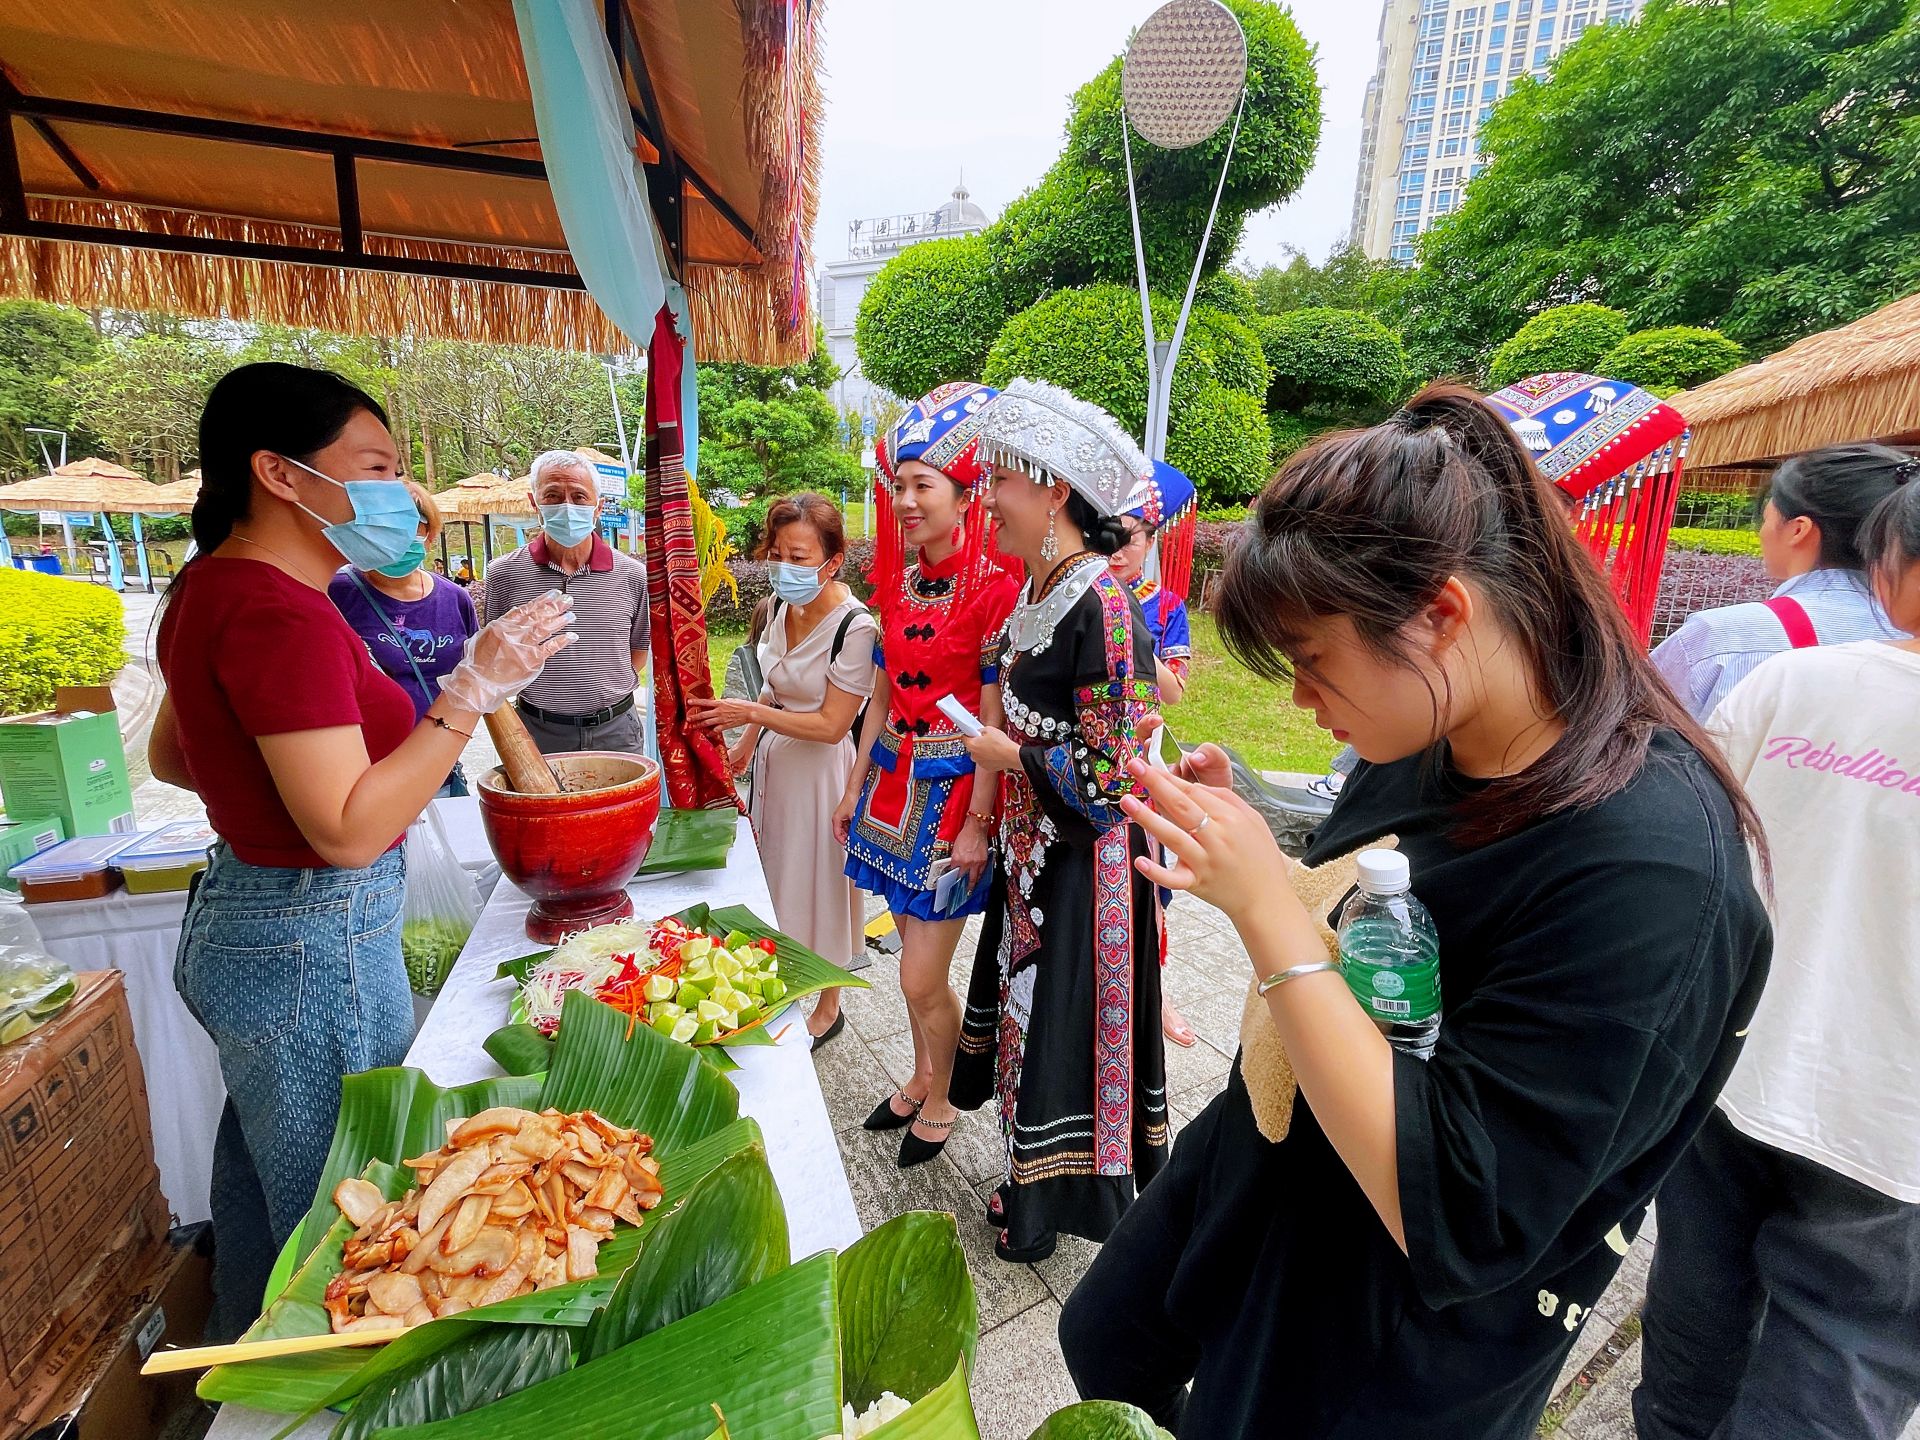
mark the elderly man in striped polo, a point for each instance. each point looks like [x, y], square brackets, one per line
[583, 700]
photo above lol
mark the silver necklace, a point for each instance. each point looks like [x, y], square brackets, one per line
[1031, 626]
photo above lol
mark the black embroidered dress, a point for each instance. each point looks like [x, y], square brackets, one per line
[1062, 1022]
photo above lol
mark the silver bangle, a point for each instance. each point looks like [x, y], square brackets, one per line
[1273, 982]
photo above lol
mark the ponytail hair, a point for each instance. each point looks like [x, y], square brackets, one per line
[1371, 524]
[1889, 538]
[1837, 487]
[288, 409]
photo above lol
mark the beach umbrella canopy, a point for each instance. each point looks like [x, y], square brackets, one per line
[88, 486]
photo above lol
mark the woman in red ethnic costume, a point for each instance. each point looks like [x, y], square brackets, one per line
[910, 813]
[1062, 1025]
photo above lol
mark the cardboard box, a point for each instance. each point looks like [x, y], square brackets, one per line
[69, 762]
[24, 839]
[106, 1397]
[81, 1214]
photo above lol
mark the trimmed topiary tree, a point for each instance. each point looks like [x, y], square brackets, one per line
[1567, 337]
[1089, 341]
[930, 316]
[1337, 363]
[1671, 358]
[1224, 290]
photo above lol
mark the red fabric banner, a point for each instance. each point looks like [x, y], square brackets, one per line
[692, 761]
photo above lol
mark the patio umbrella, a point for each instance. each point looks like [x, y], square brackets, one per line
[99, 488]
[1616, 451]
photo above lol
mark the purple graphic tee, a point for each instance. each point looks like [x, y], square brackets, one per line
[430, 633]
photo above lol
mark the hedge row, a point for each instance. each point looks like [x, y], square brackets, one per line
[55, 631]
[1714, 542]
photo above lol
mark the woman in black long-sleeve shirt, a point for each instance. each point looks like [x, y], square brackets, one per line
[1417, 1254]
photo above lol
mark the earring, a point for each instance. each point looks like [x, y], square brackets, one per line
[1050, 547]
[959, 533]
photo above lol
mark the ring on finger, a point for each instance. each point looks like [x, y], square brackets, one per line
[1206, 819]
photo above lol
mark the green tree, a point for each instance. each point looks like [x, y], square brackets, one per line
[143, 394]
[771, 430]
[1332, 364]
[930, 316]
[1089, 341]
[934, 312]
[1567, 337]
[1347, 281]
[1671, 358]
[41, 348]
[1753, 167]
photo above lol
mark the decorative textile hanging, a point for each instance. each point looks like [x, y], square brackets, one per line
[692, 760]
[1616, 451]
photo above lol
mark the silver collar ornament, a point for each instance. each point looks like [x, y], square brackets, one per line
[1049, 435]
[1030, 628]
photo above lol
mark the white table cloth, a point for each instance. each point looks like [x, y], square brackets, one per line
[777, 1083]
[137, 935]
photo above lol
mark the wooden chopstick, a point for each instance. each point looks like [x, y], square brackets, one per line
[202, 1357]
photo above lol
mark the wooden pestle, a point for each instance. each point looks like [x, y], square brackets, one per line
[527, 769]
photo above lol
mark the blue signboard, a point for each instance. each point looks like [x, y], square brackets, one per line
[868, 426]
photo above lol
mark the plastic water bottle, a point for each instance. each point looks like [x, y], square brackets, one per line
[1390, 953]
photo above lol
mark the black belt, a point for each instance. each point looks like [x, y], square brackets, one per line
[598, 717]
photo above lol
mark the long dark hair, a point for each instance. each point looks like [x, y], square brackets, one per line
[288, 409]
[1889, 538]
[1837, 487]
[1370, 524]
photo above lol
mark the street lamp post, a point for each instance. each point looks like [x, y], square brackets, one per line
[1184, 75]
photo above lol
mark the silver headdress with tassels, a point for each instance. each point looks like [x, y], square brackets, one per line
[1048, 435]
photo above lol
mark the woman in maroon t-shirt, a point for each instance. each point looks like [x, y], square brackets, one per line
[312, 764]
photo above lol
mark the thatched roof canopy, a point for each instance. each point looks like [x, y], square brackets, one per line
[1856, 382]
[367, 166]
[89, 485]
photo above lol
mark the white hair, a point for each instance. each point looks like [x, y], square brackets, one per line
[548, 460]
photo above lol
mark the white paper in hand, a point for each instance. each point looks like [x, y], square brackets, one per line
[962, 718]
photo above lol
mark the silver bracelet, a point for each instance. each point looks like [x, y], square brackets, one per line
[1273, 982]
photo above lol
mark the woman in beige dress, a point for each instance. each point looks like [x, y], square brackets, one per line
[817, 656]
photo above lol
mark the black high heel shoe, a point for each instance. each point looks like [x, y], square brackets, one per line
[915, 1151]
[885, 1117]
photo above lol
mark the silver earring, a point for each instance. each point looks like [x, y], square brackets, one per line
[1050, 547]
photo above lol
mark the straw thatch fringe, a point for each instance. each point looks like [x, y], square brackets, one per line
[1856, 382]
[781, 97]
[733, 310]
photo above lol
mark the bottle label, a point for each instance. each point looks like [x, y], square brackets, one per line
[1403, 993]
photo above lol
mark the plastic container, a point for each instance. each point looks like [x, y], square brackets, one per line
[1390, 953]
[74, 870]
[165, 860]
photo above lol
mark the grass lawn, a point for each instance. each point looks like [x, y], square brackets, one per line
[1226, 704]
[1223, 703]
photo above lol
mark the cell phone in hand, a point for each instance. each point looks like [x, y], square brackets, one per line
[950, 891]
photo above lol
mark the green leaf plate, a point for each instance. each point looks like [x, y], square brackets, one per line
[691, 840]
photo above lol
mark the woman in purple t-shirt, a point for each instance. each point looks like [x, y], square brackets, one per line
[416, 623]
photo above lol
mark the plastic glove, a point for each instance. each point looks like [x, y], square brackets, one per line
[506, 656]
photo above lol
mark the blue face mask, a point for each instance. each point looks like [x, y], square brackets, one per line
[795, 584]
[415, 557]
[385, 524]
[568, 525]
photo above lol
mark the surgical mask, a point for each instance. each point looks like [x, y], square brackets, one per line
[568, 525]
[415, 557]
[385, 523]
[795, 584]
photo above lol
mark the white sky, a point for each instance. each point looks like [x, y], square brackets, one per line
[916, 90]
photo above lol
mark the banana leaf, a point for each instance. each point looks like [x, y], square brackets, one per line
[639, 1079]
[907, 1308]
[691, 840]
[496, 1360]
[946, 1413]
[519, 1049]
[1091, 1420]
[804, 972]
[731, 1233]
[766, 1356]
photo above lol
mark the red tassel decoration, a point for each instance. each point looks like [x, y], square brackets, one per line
[1176, 553]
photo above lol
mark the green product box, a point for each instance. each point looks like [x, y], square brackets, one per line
[68, 762]
[24, 839]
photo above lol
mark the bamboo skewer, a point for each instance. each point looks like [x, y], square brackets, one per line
[205, 1357]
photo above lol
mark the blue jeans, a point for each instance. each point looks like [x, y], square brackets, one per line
[297, 976]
